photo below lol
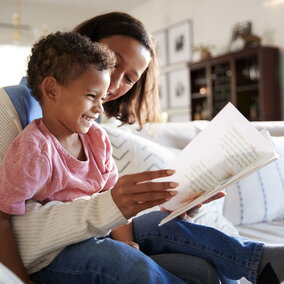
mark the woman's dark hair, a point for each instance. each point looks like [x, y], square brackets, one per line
[141, 103]
[65, 56]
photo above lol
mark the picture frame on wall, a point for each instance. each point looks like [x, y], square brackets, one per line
[240, 31]
[163, 91]
[180, 42]
[160, 38]
[179, 88]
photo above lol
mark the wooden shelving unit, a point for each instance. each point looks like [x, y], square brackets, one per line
[248, 78]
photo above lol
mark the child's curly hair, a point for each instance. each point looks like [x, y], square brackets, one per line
[65, 56]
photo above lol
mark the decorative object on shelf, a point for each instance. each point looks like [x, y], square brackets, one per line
[204, 50]
[163, 91]
[242, 36]
[180, 42]
[179, 88]
[160, 38]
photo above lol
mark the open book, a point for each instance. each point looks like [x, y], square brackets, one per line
[227, 150]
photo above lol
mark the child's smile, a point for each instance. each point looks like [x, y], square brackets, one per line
[77, 104]
[89, 120]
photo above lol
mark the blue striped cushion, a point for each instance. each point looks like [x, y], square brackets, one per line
[260, 196]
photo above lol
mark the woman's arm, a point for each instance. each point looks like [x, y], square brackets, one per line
[8, 250]
[44, 231]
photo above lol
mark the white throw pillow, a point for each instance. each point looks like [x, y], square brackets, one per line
[170, 134]
[7, 276]
[211, 214]
[260, 196]
[133, 154]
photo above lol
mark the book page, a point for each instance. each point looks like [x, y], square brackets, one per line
[228, 149]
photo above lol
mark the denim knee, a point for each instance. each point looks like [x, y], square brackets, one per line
[103, 261]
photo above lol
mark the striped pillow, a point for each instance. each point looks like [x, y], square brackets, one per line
[260, 196]
[133, 153]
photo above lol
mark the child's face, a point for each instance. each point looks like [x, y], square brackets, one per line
[79, 103]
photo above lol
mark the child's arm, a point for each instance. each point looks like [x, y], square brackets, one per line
[8, 250]
[124, 234]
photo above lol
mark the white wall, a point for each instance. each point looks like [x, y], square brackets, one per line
[52, 14]
[213, 21]
[37, 17]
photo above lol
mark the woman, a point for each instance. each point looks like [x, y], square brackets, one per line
[132, 97]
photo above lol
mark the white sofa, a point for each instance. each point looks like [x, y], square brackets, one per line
[253, 208]
[153, 147]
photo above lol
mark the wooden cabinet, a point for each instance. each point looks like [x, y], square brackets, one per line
[248, 78]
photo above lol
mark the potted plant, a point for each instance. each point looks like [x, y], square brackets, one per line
[204, 50]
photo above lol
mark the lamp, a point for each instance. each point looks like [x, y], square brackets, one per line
[16, 20]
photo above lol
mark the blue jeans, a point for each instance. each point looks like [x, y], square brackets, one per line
[104, 261]
[109, 261]
[234, 257]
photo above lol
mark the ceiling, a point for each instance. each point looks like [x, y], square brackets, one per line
[100, 5]
[32, 29]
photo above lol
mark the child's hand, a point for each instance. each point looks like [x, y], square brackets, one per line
[193, 211]
[132, 244]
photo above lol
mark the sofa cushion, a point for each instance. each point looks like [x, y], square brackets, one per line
[170, 134]
[269, 232]
[260, 196]
[211, 215]
[133, 154]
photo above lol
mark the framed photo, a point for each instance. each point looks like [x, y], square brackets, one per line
[179, 89]
[163, 91]
[240, 30]
[161, 44]
[180, 42]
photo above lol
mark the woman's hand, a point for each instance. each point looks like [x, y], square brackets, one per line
[193, 211]
[135, 193]
[132, 244]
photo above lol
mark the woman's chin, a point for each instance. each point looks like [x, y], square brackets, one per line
[111, 98]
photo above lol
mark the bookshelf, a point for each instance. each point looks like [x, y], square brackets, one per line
[248, 78]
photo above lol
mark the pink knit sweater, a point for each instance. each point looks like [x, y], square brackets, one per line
[37, 167]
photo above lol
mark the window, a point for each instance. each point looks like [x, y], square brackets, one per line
[13, 64]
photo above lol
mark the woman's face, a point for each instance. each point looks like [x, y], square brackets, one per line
[132, 60]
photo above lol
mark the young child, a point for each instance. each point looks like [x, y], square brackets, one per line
[65, 155]
[60, 155]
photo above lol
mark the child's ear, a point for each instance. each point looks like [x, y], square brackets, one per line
[49, 87]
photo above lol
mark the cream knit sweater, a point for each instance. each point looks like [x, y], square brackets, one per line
[44, 231]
